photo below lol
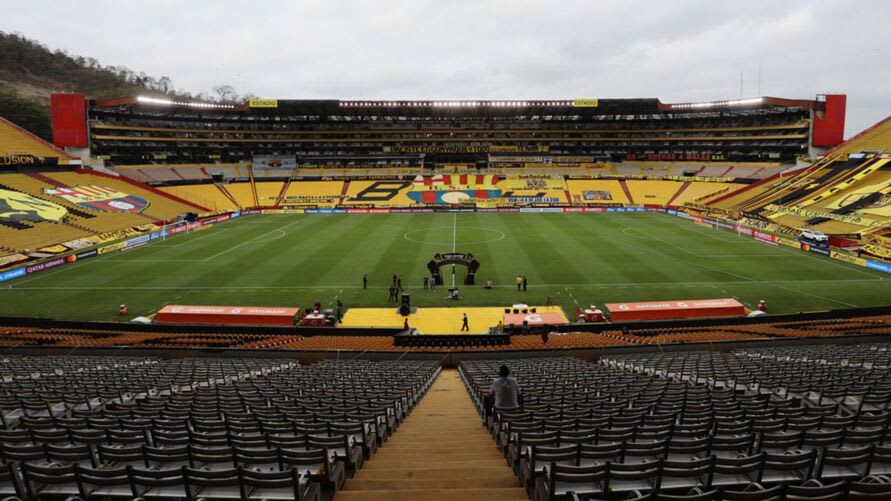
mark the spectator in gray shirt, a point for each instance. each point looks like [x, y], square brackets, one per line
[505, 390]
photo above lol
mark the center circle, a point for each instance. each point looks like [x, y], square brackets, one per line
[496, 235]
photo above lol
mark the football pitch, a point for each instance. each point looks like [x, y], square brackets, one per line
[575, 259]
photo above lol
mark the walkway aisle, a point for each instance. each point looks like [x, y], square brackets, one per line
[440, 453]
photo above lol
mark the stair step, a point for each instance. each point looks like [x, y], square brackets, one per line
[494, 494]
[409, 463]
[440, 453]
[436, 454]
[441, 483]
[432, 472]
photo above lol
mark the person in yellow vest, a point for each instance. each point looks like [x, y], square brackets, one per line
[519, 282]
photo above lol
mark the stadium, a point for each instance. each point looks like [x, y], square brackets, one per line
[309, 299]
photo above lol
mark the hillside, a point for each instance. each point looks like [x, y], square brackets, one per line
[31, 71]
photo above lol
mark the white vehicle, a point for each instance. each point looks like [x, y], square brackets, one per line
[814, 235]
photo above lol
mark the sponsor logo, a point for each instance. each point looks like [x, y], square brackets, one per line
[876, 250]
[585, 102]
[766, 238]
[110, 248]
[13, 258]
[845, 218]
[100, 198]
[137, 241]
[54, 249]
[21, 207]
[841, 256]
[325, 211]
[788, 243]
[541, 209]
[115, 235]
[134, 246]
[875, 265]
[86, 254]
[10, 274]
[19, 160]
[80, 243]
[263, 103]
[34, 268]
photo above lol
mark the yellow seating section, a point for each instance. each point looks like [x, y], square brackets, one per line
[653, 192]
[400, 199]
[16, 141]
[101, 222]
[577, 189]
[206, 195]
[878, 138]
[323, 194]
[697, 190]
[268, 191]
[40, 235]
[243, 193]
[80, 221]
[160, 207]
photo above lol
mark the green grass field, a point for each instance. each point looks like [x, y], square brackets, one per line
[577, 259]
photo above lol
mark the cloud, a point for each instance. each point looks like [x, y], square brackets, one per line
[682, 50]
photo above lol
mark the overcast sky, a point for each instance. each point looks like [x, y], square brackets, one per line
[677, 51]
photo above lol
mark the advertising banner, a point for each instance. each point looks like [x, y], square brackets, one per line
[134, 246]
[137, 241]
[227, 315]
[81, 243]
[876, 265]
[805, 246]
[13, 273]
[263, 103]
[788, 243]
[541, 209]
[115, 235]
[661, 310]
[585, 102]
[325, 211]
[841, 256]
[34, 268]
[110, 248]
[875, 250]
[369, 211]
[87, 254]
[407, 210]
[534, 319]
[765, 238]
[812, 214]
[12, 258]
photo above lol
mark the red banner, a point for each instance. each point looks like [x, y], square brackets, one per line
[664, 310]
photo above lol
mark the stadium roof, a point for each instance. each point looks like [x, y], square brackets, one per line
[579, 106]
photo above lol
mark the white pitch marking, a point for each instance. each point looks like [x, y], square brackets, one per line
[258, 237]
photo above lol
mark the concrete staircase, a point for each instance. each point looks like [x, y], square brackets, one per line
[440, 453]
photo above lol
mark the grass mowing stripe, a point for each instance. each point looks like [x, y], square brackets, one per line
[319, 253]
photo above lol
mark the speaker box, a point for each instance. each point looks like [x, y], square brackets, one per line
[405, 304]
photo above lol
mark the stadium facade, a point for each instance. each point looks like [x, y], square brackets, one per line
[286, 133]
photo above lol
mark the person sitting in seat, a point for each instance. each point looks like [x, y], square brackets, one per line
[489, 284]
[505, 390]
